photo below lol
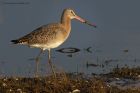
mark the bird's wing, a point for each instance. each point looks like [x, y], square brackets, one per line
[42, 34]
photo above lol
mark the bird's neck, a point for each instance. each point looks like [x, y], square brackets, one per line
[66, 22]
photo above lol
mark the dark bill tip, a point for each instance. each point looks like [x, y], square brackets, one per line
[86, 22]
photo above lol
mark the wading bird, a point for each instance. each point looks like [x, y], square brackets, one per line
[50, 36]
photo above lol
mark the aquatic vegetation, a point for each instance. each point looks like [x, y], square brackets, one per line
[64, 83]
[126, 72]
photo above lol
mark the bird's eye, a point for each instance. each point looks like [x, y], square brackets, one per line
[72, 12]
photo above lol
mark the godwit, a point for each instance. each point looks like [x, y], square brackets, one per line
[50, 36]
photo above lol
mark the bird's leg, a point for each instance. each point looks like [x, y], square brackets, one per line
[50, 63]
[37, 62]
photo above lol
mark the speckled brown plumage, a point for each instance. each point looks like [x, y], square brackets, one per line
[44, 35]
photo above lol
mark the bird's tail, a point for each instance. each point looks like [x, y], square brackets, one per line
[19, 41]
[15, 41]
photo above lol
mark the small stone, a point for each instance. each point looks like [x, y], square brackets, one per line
[4, 84]
[76, 91]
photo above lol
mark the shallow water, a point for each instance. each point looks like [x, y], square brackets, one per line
[125, 83]
[101, 49]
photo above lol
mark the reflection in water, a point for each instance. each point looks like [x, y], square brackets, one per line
[68, 50]
[71, 50]
[91, 64]
[107, 61]
[125, 50]
[69, 55]
[88, 49]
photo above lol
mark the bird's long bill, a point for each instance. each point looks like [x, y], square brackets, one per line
[85, 21]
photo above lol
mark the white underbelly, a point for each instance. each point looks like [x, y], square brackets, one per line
[47, 46]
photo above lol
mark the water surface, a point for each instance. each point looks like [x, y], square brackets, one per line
[114, 43]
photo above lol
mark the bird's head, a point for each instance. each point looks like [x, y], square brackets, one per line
[72, 15]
